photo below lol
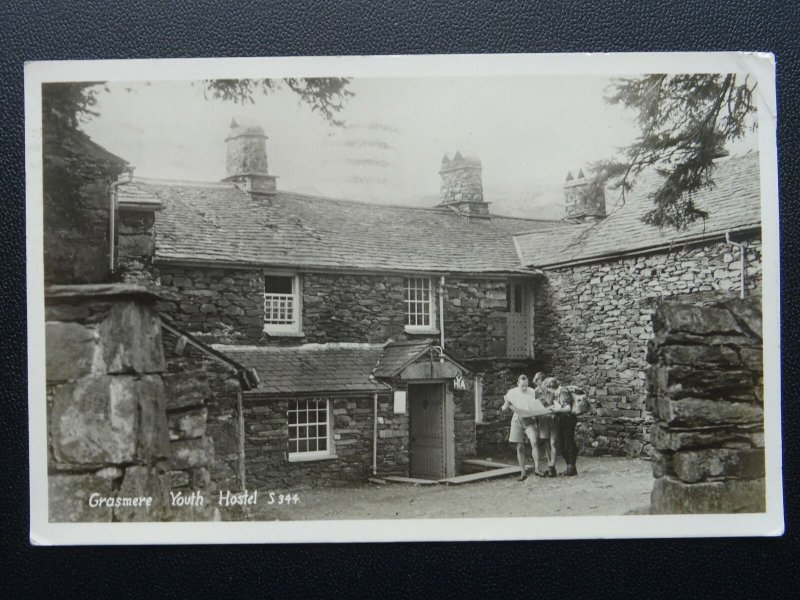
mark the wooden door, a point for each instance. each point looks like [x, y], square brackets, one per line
[517, 329]
[427, 444]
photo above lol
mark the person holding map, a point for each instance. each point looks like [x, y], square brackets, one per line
[526, 406]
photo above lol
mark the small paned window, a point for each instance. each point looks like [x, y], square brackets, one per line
[418, 303]
[281, 304]
[309, 428]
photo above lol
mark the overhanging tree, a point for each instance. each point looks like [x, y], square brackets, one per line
[686, 122]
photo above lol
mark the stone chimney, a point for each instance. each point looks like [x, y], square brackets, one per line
[462, 186]
[582, 200]
[247, 159]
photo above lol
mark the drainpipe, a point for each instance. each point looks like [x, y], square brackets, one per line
[375, 434]
[441, 312]
[742, 261]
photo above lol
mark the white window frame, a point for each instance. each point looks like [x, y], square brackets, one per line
[431, 327]
[298, 406]
[294, 328]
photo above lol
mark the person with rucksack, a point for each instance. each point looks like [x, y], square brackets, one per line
[571, 402]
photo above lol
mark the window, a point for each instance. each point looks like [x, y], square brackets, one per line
[309, 429]
[419, 304]
[282, 315]
[514, 297]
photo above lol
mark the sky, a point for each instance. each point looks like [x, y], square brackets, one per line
[528, 131]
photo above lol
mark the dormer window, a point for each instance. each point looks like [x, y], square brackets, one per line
[282, 310]
[419, 305]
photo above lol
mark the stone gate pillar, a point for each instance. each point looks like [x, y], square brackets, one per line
[705, 390]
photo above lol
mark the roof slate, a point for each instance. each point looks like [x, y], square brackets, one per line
[219, 222]
[397, 355]
[733, 204]
[311, 368]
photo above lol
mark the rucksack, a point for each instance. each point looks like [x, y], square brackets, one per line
[580, 401]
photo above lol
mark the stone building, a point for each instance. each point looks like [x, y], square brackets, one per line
[358, 318]
[384, 337]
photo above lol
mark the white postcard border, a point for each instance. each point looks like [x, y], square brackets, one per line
[770, 523]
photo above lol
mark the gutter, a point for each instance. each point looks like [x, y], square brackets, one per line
[755, 229]
[305, 268]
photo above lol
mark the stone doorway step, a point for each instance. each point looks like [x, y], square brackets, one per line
[480, 470]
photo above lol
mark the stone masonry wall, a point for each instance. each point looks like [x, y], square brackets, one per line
[267, 442]
[705, 390]
[226, 306]
[107, 428]
[206, 408]
[592, 323]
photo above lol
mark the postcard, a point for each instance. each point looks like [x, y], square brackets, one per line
[403, 298]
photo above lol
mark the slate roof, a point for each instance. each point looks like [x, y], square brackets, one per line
[219, 222]
[310, 368]
[733, 204]
[397, 355]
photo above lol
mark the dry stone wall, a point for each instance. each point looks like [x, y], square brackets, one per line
[705, 391]
[592, 324]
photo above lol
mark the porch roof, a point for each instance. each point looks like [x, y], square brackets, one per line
[310, 368]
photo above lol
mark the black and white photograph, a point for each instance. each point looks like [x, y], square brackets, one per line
[403, 298]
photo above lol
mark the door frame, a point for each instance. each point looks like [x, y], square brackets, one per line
[448, 423]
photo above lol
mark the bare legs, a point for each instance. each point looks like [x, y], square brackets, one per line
[521, 459]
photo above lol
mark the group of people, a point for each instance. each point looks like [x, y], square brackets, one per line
[553, 425]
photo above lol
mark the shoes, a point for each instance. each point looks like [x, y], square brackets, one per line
[522, 477]
[571, 471]
[551, 472]
[539, 473]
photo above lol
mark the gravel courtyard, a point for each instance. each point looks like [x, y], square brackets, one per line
[604, 486]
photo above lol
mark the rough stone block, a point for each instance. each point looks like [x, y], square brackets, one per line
[698, 356]
[95, 421]
[69, 351]
[143, 482]
[748, 312]
[190, 454]
[185, 389]
[186, 425]
[178, 478]
[67, 312]
[698, 465]
[703, 382]
[153, 430]
[68, 497]
[662, 464]
[666, 438]
[131, 339]
[671, 496]
[694, 412]
[136, 245]
[676, 323]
